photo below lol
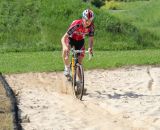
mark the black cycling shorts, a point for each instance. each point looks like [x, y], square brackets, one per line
[77, 44]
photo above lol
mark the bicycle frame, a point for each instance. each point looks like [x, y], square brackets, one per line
[74, 59]
[75, 52]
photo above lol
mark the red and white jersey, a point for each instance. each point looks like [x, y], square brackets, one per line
[78, 32]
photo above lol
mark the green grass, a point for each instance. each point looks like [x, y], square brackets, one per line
[39, 25]
[141, 13]
[113, 59]
[144, 15]
[30, 61]
[52, 61]
[36, 25]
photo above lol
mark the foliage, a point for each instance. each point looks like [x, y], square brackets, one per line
[39, 25]
[96, 3]
[112, 5]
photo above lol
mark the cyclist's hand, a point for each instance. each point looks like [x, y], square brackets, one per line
[90, 51]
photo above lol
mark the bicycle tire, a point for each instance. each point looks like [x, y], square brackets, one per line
[78, 81]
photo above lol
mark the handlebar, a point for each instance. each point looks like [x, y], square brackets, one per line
[81, 51]
[78, 51]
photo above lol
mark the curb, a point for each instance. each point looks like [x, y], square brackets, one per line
[14, 108]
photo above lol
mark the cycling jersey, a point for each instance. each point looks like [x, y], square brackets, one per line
[78, 32]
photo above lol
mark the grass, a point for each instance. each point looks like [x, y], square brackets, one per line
[51, 61]
[30, 61]
[141, 13]
[113, 59]
[36, 25]
[39, 25]
[144, 16]
[5, 111]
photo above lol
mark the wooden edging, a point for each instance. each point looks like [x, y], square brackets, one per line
[14, 107]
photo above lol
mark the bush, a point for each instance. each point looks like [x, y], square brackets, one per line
[96, 3]
[112, 5]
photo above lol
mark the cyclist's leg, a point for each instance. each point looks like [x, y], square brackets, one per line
[65, 52]
[81, 56]
[81, 47]
[80, 59]
[65, 56]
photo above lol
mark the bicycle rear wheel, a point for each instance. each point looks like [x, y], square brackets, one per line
[78, 81]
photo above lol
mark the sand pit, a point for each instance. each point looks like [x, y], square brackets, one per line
[120, 99]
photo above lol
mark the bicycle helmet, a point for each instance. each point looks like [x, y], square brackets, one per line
[88, 14]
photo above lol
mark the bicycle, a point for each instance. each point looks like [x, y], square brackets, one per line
[77, 74]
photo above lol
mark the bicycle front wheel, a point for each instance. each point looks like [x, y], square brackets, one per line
[78, 81]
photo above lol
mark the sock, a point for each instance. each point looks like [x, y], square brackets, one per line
[67, 67]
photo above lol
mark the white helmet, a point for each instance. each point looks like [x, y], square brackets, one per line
[88, 14]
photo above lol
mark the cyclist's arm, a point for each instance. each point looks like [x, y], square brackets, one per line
[90, 49]
[64, 40]
[69, 33]
[91, 39]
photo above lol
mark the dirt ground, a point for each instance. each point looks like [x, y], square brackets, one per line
[5, 110]
[119, 99]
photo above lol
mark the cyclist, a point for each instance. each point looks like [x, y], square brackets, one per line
[75, 37]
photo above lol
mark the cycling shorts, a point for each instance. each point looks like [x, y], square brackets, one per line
[79, 45]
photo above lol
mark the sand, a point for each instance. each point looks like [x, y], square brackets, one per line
[118, 99]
